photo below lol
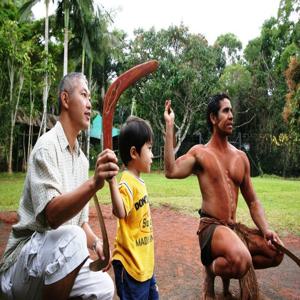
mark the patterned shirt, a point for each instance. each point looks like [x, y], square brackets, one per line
[134, 244]
[53, 170]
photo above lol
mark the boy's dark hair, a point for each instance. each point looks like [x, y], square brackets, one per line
[213, 107]
[135, 132]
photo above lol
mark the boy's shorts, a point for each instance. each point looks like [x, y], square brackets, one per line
[49, 257]
[130, 289]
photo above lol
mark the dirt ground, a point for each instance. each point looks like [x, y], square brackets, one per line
[178, 269]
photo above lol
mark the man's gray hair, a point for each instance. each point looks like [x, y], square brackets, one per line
[67, 84]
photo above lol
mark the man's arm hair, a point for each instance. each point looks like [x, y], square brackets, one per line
[65, 206]
[254, 204]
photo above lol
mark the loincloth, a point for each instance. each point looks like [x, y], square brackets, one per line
[206, 230]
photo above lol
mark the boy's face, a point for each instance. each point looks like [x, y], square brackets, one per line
[144, 159]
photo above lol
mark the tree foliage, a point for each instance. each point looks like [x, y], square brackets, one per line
[186, 75]
[262, 81]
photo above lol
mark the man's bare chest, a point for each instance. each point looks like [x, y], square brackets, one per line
[219, 166]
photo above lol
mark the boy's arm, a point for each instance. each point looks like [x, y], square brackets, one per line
[116, 199]
[183, 166]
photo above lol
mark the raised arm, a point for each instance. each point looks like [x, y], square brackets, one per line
[184, 165]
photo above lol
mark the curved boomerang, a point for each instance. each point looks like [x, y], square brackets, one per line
[114, 92]
[110, 101]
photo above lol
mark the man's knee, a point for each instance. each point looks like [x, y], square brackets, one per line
[277, 259]
[240, 264]
[65, 250]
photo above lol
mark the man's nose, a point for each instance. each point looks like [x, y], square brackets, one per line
[89, 103]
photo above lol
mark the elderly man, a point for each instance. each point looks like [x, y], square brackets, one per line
[47, 253]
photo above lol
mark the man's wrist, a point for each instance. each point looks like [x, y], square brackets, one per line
[96, 185]
[170, 124]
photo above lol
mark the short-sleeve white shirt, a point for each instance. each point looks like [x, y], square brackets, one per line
[53, 170]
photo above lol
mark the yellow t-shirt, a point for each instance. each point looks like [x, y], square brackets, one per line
[134, 244]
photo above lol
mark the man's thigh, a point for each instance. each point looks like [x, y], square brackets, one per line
[259, 246]
[227, 244]
[47, 258]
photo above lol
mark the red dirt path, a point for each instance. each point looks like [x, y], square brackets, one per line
[178, 269]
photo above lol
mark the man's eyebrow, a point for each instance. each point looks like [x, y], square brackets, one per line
[227, 108]
[85, 90]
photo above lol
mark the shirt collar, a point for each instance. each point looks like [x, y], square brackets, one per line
[63, 141]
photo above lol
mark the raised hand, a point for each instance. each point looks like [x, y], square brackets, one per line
[169, 113]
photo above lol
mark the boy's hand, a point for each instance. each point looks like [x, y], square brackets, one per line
[169, 113]
[106, 167]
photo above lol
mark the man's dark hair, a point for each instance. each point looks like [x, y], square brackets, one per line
[135, 132]
[213, 107]
[67, 84]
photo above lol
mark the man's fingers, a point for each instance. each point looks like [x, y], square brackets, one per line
[106, 157]
[108, 167]
[168, 106]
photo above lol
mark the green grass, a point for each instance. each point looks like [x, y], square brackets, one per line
[280, 197]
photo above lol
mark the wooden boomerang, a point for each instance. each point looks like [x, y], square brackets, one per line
[110, 100]
[287, 252]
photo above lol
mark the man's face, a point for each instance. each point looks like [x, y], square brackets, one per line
[224, 121]
[80, 105]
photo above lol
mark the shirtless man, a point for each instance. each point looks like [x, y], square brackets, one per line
[222, 170]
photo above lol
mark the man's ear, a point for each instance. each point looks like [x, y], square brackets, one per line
[133, 152]
[213, 118]
[64, 98]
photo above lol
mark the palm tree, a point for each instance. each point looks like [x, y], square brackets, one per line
[25, 10]
[80, 10]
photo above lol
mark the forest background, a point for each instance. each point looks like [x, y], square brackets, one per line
[263, 80]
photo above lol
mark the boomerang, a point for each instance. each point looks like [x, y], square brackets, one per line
[287, 252]
[110, 101]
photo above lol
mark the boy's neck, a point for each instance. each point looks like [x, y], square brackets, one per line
[132, 169]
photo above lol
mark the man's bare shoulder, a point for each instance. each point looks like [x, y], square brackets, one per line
[238, 151]
[199, 148]
[241, 155]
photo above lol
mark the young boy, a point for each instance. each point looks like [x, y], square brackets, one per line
[133, 254]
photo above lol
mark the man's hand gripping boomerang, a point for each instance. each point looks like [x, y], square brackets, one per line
[110, 100]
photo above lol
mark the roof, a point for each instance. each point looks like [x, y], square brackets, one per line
[22, 118]
[96, 128]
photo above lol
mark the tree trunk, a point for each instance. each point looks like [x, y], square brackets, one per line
[89, 129]
[11, 71]
[66, 38]
[82, 60]
[30, 129]
[46, 85]
[13, 122]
